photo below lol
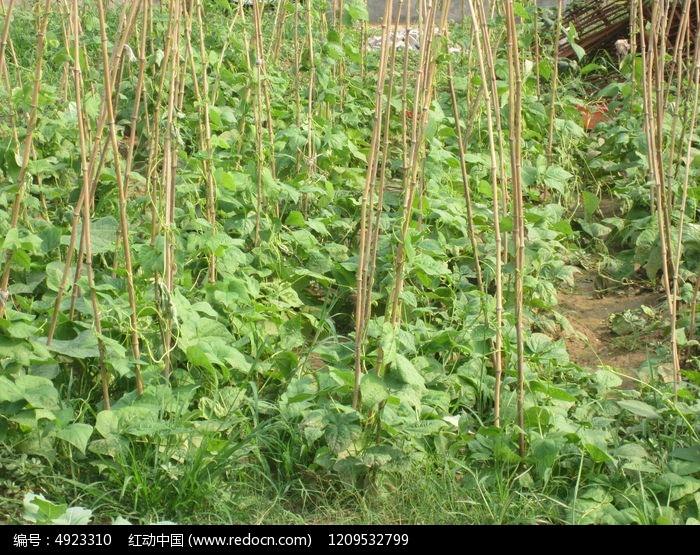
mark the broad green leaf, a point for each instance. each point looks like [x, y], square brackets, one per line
[198, 357]
[607, 379]
[341, 431]
[103, 235]
[539, 343]
[544, 452]
[430, 265]
[596, 230]
[295, 218]
[596, 453]
[639, 408]
[676, 486]
[110, 446]
[11, 240]
[230, 356]
[691, 454]
[389, 343]
[373, 390]
[40, 393]
[74, 515]
[639, 465]
[9, 392]
[424, 428]
[77, 435]
[313, 426]
[291, 335]
[54, 274]
[631, 451]
[356, 10]
[591, 203]
[294, 401]
[107, 423]
[537, 417]
[83, 345]
[557, 178]
[39, 510]
[406, 372]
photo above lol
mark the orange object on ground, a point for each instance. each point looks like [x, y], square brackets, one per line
[593, 114]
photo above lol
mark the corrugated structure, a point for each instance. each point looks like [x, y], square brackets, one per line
[599, 23]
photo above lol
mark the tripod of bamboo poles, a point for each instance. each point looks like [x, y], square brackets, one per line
[482, 46]
[366, 222]
[669, 173]
[86, 199]
[370, 208]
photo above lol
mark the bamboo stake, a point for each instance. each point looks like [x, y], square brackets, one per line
[555, 83]
[6, 32]
[686, 182]
[515, 138]
[169, 171]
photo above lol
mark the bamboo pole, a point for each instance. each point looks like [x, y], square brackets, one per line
[515, 140]
[554, 87]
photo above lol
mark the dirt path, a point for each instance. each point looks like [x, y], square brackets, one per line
[590, 341]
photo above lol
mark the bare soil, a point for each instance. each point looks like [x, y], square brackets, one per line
[590, 340]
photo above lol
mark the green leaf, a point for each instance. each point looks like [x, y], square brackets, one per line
[291, 335]
[591, 203]
[38, 510]
[295, 218]
[39, 392]
[11, 240]
[103, 235]
[198, 357]
[389, 343]
[539, 343]
[596, 453]
[373, 390]
[557, 178]
[639, 408]
[83, 345]
[77, 435]
[580, 52]
[341, 430]
[607, 379]
[431, 266]
[631, 451]
[406, 372]
[691, 454]
[676, 486]
[107, 423]
[74, 515]
[356, 10]
[545, 452]
[9, 392]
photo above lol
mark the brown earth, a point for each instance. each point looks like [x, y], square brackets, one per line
[590, 340]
